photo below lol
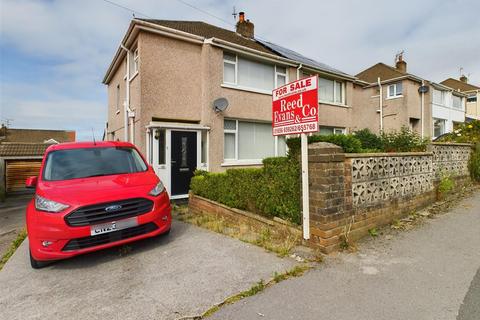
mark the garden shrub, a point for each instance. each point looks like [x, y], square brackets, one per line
[468, 132]
[273, 190]
[404, 140]
[349, 143]
[474, 164]
[369, 140]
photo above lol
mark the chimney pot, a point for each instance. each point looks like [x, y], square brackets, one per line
[245, 28]
[464, 78]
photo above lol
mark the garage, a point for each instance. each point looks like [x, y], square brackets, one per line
[18, 161]
[17, 171]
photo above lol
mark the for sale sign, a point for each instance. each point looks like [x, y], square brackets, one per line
[295, 107]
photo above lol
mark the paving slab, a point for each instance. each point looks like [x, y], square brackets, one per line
[170, 277]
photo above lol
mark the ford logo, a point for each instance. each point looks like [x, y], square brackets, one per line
[113, 208]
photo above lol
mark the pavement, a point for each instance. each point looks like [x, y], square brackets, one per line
[431, 272]
[12, 219]
[168, 277]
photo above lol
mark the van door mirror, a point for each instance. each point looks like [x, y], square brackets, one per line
[31, 182]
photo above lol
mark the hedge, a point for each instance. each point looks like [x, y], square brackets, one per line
[271, 191]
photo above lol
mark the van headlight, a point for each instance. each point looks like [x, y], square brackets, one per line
[159, 188]
[44, 204]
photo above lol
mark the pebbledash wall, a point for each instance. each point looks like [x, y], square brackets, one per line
[352, 193]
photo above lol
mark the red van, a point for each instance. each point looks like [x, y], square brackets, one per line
[90, 196]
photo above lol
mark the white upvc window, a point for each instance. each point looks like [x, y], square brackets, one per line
[325, 131]
[395, 90]
[457, 102]
[439, 97]
[439, 127]
[133, 63]
[117, 99]
[250, 141]
[331, 91]
[251, 74]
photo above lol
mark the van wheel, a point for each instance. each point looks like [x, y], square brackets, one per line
[35, 263]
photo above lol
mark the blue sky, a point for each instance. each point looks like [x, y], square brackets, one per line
[53, 54]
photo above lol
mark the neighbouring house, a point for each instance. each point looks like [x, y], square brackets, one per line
[21, 153]
[192, 96]
[472, 92]
[396, 99]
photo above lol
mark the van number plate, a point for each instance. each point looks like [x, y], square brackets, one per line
[113, 226]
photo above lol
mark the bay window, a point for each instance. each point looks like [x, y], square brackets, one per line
[251, 74]
[252, 141]
[331, 91]
[395, 90]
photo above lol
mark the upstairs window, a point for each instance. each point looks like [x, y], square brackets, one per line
[395, 90]
[439, 97]
[117, 99]
[457, 102]
[250, 74]
[133, 63]
[472, 98]
[331, 91]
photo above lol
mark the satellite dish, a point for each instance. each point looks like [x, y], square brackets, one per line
[423, 89]
[220, 104]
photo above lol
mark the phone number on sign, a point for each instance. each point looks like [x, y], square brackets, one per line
[296, 128]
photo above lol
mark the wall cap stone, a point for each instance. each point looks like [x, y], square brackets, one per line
[386, 154]
[452, 144]
[324, 148]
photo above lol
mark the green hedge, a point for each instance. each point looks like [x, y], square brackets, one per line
[364, 140]
[273, 190]
[474, 165]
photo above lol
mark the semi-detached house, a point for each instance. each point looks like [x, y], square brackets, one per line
[394, 98]
[168, 84]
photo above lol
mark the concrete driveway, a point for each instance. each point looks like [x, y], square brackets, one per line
[12, 219]
[180, 275]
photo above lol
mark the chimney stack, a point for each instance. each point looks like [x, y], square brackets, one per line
[400, 64]
[245, 27]
[463, 78]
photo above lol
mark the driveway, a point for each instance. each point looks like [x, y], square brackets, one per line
[429, 273]
[180, 275]
[12, 219]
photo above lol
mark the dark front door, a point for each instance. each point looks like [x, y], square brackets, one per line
[184, 160]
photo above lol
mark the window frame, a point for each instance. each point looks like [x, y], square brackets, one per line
[343, 130]
[117, 99]
[334, 101]
[235, 85]
[444, 121]
[395, 92]
[460, 107]
[236, 160]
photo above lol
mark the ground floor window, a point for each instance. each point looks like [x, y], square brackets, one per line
[244, 140]
[438, 127]
[325, 131]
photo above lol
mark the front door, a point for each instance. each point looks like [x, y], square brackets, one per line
[183, 160]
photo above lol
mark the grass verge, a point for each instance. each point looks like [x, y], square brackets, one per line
[297, 271]
[13, 247]
[280, 242]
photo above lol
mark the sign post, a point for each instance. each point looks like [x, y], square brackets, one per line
[295, 111]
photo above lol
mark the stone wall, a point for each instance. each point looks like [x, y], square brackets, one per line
[352, 193]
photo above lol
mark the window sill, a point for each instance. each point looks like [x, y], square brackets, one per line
[232, 86]
[232, 163]
[396, 97]
[334, 104]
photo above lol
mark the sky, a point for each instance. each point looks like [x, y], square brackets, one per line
[54, 53]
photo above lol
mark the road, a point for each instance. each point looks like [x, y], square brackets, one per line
[430, 272]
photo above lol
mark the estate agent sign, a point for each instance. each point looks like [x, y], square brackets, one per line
[295, 111]
[295, 107]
